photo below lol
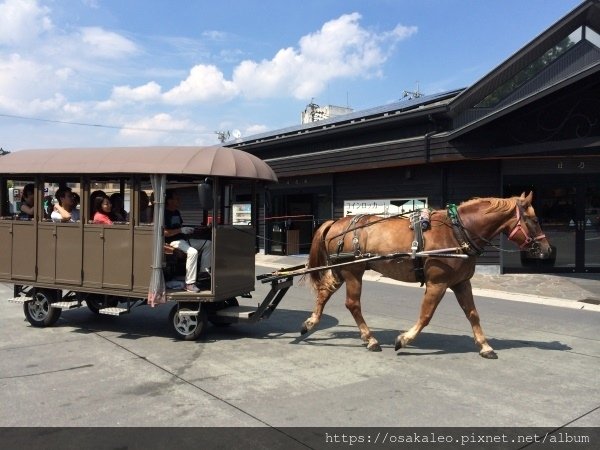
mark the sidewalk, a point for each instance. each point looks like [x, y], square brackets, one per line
[580, 291]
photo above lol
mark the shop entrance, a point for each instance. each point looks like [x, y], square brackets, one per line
[294, 218]
[568, 207]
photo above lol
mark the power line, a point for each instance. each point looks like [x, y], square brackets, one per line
[97, 125]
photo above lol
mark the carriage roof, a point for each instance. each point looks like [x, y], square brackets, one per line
[176, 160]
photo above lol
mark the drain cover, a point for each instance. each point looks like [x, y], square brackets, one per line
[591, 301]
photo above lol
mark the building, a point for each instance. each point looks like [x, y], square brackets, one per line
[532, 123]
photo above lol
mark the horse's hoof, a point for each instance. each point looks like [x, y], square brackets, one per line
[490, 354]
[374, 347]
[399, 343]
[304, 330]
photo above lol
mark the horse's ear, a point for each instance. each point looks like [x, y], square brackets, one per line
[522, 198]
[529, 198]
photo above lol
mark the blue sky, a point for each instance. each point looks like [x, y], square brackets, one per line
[157, 72]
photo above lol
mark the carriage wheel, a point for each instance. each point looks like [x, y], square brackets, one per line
[39, 311]
[218, 321]
[188, 327]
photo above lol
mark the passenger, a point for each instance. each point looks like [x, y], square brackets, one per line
[175, 235]
[64, 210]
[145, 208]
[48, 207]
[118, 212]
[93, 196]
[27, 202]
[76, 199]
[102, 210]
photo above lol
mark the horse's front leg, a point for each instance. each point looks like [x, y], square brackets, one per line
[431, 299]
[353, 293]
[464, 295]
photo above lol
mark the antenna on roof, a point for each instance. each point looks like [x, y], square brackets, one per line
[222, 136]
[412, 94]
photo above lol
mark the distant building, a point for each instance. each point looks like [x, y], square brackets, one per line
[314, 112]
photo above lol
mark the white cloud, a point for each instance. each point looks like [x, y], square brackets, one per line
[341, 48]
[158, 129]
[25, 83]
[21, 21]
[106, 44]
[147, 92]
[204, 83]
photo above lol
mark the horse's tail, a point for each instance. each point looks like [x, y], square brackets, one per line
[321, 279]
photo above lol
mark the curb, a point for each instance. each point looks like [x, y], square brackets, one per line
[480, 292]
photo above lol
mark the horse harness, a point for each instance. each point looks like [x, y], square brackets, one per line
[461, 234]
[355, 240]
[419, 222]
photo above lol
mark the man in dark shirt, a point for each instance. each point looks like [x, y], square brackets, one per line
[175, 235]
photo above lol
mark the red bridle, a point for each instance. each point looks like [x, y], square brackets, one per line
[523, 229]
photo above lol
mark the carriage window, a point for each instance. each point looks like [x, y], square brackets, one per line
[109, 201]
[61, 201]
[18, 199]
[146, 200]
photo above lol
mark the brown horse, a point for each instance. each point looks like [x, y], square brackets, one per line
[466, 229]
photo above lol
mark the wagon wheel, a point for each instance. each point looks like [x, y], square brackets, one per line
[39, 311]
[217, 321]
[95, 302]
[187, 327]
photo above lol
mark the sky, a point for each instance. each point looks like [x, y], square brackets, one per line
[95, 73]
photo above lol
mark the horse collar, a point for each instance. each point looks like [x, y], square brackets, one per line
[462, 234]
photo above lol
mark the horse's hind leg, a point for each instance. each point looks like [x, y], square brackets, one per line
[431, 299]
[353, 292]
[464, 295]
[324, 293]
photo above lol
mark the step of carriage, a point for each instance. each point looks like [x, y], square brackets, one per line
[20, 300]
[67, 304]
[241, 312]
[113, 311]
[188, 312]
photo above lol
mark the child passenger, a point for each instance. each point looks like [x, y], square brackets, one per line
[102, 210]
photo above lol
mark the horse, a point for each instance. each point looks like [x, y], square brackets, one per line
[464, 230]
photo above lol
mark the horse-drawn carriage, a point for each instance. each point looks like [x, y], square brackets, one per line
[56, 265]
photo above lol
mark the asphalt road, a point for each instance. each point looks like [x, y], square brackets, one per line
[129, 371]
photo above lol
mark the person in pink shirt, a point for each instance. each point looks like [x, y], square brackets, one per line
[102, 210]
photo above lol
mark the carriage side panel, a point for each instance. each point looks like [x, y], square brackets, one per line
[233, 260]
[69, 253]
[142, 261]
[93, 256]
[46, 249]
[23, 250]
[5, 249]
[118, 254]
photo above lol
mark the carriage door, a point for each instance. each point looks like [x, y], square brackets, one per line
[59, 245]
[17, 233]
[108, 249]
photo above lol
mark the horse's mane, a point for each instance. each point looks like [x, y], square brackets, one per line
[503, 205]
